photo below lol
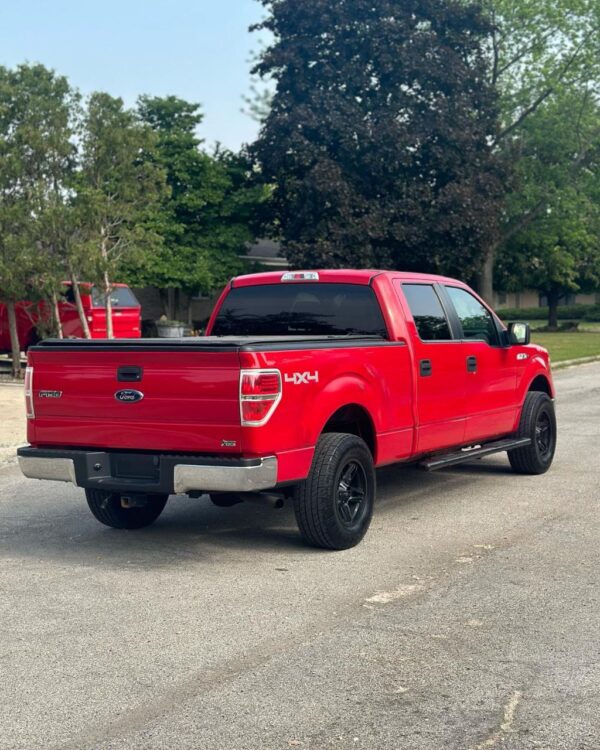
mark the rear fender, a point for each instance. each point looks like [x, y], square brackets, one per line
[345, 390]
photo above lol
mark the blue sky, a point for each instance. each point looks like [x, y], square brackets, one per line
[196, 49]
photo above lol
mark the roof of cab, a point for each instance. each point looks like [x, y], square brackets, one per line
[336, 276]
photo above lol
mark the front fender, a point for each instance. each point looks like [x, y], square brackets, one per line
[538, 366]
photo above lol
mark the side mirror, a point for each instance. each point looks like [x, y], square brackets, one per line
[519, 333]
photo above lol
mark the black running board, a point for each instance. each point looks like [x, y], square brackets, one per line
[478, 451]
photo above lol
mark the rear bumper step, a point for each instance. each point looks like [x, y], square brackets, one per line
[147, 472]
[458, 457]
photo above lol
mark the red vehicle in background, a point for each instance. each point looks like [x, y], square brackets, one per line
[126, 316]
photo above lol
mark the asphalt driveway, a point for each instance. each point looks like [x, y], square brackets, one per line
[468, 618]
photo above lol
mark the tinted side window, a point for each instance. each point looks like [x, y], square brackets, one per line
[477, 321]
[307, 309]
[427, 312]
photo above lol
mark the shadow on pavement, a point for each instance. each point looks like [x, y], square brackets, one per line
[45, 524]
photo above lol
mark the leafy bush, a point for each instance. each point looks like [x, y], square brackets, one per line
[566, 312]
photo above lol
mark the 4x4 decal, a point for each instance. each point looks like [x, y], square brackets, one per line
[302, 378]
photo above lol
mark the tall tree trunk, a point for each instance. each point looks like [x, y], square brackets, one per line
[171, 303]
[485, 279]
[164, 301]
[108, 302]
[110, 334]
[79, 304]
[56, 315]
[553, 298]
[14, 339]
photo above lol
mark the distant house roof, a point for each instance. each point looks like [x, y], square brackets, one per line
[267, 253]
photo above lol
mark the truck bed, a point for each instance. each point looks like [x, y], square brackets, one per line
[185, 392]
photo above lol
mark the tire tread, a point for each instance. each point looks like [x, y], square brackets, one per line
[312, 497]
[525, 460]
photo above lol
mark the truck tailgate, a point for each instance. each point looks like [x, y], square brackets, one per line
[189, 398]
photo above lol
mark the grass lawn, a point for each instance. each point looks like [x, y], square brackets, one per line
[569, 345]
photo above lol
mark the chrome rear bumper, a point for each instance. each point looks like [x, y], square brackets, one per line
[58, 469]
[187, 477]
[157, 473]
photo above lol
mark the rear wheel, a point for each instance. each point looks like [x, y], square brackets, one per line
[111, 509]
[334, 505]
[538, 422]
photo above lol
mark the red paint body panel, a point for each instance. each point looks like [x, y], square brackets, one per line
[126, 320]
[191, 397]
[190, 401]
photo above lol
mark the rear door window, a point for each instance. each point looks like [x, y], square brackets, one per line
[307, 309]
[427, 311]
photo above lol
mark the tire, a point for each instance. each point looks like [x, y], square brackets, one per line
[334, 505]
[225, 499]
[538, 422]
[107, 508]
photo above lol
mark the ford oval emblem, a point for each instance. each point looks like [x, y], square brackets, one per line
[128, 396]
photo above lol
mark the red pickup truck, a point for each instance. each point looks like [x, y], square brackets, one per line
[304, 382]
[126, 315]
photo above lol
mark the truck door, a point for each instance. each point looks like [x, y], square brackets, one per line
[440, 375]
[491, 392]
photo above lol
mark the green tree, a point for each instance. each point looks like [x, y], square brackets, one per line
[47, 116]
[35, 149]
[554, 242]
[119, 188]
[207, 217]
[378, 141]
[540, 52]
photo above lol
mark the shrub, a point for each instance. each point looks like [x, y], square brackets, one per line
[590, 313]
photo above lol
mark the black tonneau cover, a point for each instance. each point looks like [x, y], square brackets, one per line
[212, 343]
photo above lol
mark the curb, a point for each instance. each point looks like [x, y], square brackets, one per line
[574, 362]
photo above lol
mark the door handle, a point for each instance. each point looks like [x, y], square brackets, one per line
[425, 368]
[471, 364]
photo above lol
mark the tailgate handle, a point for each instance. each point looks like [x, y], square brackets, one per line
[130, 374]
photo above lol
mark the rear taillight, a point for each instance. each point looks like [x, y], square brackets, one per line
[29, 393]
[260, 392]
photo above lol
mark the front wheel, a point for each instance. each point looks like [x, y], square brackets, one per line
[538, 422]
[334, 505]
[110, 509]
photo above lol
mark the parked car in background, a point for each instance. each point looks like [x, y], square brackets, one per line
[126, 316]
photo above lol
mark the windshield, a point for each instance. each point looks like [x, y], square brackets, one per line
[310, 309]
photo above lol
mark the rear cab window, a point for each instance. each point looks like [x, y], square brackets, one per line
[121, 296]
[304, 309]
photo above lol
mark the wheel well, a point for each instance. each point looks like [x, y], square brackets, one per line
[540, 383]
[354, 420]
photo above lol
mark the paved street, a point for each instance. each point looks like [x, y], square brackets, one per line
[469, 618]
